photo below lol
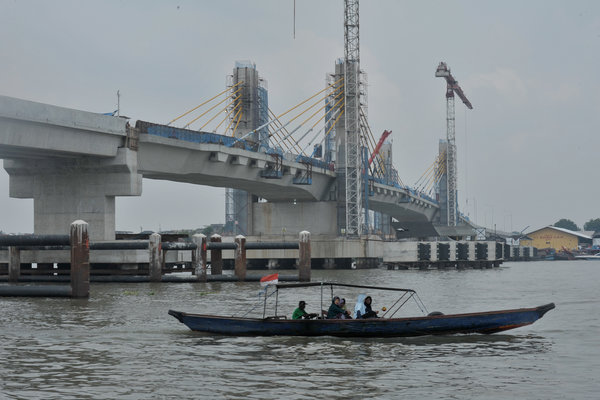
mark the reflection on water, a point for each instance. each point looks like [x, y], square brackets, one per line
[122, 344]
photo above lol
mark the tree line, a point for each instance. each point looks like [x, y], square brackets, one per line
[591, 225]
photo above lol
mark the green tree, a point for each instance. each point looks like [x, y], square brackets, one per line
[566, 224]
[592, 225]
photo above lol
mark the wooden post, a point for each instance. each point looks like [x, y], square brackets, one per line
[304, 257]
[80, 260]
[240, 257]
[199, 256]
[154, 247]
[216, 257]
[14, 263]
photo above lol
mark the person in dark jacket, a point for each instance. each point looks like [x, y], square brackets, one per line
[335, 311]
[369, 313]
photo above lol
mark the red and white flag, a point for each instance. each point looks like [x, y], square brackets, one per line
[269, 280]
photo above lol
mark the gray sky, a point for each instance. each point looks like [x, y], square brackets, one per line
[527, 153]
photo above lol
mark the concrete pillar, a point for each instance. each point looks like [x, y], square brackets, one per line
[240, 257]
[80, 260]
[199, 256]
[304, 257]
[155, 249]
[64, 190]
[216, 257]
[14, 264]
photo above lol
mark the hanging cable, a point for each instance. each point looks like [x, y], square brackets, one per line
[212, 98]
[236, 125]
[210, 109]
[233, 119]
[227, 116]
[215, 116]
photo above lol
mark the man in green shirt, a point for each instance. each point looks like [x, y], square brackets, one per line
[300, 313]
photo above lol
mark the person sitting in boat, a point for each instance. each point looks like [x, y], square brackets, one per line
[335, 311]
[363, 307]
[300, 313]
[347, 313]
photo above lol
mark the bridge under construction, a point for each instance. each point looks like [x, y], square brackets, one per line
[316, 166]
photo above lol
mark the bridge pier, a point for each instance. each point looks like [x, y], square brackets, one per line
[68, 189]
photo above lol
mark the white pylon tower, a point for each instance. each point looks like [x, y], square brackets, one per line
[451, 87]
[351, 119]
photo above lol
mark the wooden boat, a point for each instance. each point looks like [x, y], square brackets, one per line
[434, 323]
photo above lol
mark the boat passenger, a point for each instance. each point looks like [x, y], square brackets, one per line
[359, 308]
[335, 311]
[369, 313]
[347, 314]
[300, 313]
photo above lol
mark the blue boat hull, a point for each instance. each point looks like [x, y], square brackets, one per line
[482, 322]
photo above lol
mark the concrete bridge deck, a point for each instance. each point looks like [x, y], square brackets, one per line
[74, 162]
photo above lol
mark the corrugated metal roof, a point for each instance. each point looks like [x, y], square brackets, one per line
[574, 233]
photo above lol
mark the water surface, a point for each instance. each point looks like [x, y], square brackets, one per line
[121, 343]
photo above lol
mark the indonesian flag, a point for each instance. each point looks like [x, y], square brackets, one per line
[269, 280]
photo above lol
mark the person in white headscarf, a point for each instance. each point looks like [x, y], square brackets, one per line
[359, 308]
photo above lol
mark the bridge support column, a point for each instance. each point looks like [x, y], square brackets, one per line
[14, 264]
[216, 257]
[68, 189]
[155, 258]
[199, 256]
[240, 257]
[304, 257]
[80, 260]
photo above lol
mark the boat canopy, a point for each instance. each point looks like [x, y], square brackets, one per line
[313, 284]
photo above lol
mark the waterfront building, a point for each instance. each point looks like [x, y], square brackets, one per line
[557, 238]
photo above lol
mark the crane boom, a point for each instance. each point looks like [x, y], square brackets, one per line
[384, 136]
[453, 87]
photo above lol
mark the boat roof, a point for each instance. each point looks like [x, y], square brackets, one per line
[313, 284]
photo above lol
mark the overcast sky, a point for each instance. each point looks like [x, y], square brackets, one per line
[528, 152]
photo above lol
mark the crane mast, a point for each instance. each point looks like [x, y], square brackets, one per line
[351, 119]
[451, 87]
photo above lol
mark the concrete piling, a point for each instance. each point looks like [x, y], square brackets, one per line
[240, 257]
[14, 264]
[199, 256]
[154, 247]
[80, 260]
[304, 257]
[216, 257]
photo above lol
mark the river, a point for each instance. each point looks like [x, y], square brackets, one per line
[121, 343]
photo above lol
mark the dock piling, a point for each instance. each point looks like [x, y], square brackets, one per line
[216, 257]
[304, 257]
[80, 260]
[199, 256]
[240, 257]
[14, 264]
[154, 246]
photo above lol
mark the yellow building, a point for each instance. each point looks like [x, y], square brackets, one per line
[556, 238]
